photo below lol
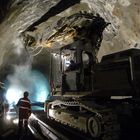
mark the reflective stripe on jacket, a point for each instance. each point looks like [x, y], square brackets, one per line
[24, 108]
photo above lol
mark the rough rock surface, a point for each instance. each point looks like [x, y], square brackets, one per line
[122, 33]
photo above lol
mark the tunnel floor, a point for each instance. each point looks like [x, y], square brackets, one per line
[9, 131]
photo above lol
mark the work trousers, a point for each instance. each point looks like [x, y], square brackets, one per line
[23, 126]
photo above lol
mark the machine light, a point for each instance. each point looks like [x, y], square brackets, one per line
[15, 121]
[8, 117]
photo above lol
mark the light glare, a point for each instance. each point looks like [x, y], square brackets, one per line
[15, 121]
[13, 94]
[8, 117]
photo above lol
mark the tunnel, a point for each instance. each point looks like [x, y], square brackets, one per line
[79, 60]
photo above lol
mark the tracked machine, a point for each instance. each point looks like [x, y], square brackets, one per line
[90, 96]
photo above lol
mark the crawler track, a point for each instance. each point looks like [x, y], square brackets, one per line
[98, 121]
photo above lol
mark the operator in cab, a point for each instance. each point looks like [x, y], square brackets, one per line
[72, 66]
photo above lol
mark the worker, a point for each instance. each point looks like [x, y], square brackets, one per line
[24, 108]
[72, 66]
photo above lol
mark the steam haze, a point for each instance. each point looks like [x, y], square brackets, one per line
[24, 78]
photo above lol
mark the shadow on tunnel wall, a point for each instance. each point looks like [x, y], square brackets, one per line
[4, 7]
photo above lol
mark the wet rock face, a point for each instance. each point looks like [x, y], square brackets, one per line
[124, 16]
[39, 18]
[20, 15]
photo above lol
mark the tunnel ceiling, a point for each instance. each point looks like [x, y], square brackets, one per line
[35, 26]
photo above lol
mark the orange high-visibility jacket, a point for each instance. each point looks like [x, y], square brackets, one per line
[24, 108]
